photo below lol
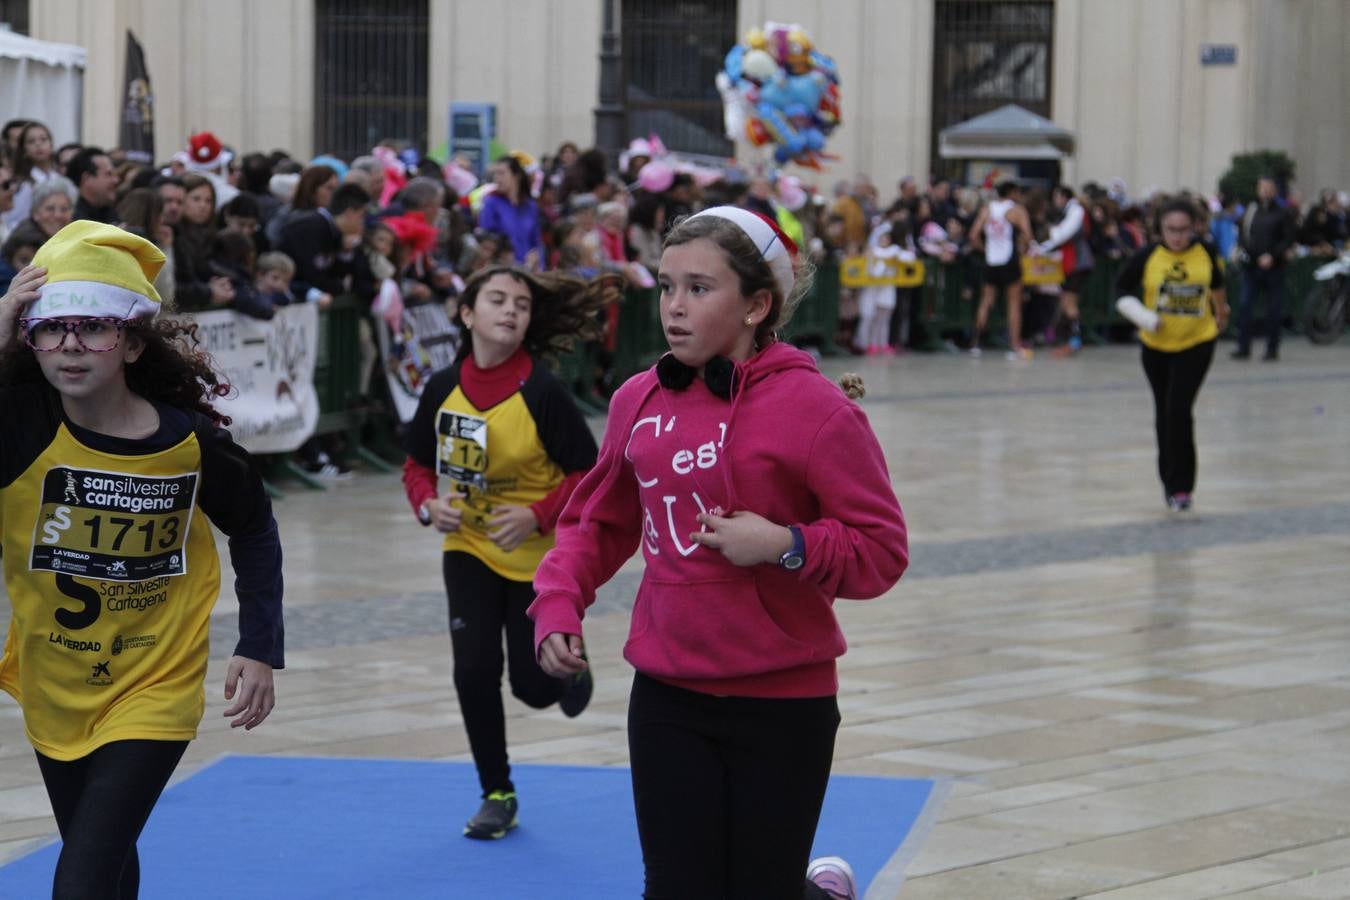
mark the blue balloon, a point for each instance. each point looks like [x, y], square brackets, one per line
[805, 89]
[733, 62]
[825, 65]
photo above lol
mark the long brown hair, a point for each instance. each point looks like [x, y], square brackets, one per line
[562, 308]
[171, 369]
[23, 164]
[141, 208]
[311, 179]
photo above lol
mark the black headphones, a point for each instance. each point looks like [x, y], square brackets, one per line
[719, 374]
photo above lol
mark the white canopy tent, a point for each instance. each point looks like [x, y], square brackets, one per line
[43, 81]
[1009, 132]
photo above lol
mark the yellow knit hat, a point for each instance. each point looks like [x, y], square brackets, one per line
[97, 270]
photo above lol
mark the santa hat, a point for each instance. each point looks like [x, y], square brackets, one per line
[207, 153]
[97, 270]
[776, 248]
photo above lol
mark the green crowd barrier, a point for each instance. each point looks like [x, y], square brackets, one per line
[337, 364]
[816, 318]
[948, 301]
[640, 341]
[368, 428]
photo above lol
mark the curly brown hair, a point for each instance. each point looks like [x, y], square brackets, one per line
[563, 308]
[171, 369]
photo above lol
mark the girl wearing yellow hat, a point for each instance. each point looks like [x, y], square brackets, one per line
[113, 465]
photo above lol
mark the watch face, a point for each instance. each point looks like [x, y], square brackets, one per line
[792, 562]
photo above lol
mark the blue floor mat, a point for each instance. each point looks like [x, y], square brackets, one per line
[301, 828]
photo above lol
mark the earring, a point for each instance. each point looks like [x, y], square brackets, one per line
[749, 321]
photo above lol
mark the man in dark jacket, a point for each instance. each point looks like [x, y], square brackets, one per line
[1267, 234]
[92, 172]
[324, 243]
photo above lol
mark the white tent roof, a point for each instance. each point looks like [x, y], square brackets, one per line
[16, 46]
[1009, 132]
[44, 81]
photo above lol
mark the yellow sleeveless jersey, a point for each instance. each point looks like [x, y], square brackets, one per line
[1179, 287]
[112, 573]
[515, 452]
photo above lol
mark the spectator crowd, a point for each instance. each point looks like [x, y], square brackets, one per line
[256, 231]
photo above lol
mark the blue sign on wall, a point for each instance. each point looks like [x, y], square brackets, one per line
[1218, 54]
[472, 128]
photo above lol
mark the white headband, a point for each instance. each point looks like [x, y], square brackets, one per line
[764, 237]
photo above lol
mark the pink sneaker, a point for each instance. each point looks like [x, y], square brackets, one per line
[834, 876]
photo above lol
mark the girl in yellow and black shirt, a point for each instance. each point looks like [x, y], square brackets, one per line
[112, 469]
[512, 443]
[1181, 281]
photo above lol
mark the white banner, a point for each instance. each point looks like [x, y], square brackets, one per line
[270, 364]
[426, 342]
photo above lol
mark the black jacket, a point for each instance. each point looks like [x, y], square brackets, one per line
[84, 210]
[1267, 228]
[314, 243]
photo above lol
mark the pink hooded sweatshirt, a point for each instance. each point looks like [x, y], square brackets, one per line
[790, 447]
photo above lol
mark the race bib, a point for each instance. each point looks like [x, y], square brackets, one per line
[113, 526]
[462, 449]
[1178, 298]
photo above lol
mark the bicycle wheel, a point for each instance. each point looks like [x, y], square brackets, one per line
[1326, 312]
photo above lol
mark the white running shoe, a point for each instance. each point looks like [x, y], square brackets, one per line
[834, 876]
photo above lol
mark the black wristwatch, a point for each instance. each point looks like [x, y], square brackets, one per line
[795, 558]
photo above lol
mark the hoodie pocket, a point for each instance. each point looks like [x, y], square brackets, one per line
[718, 628]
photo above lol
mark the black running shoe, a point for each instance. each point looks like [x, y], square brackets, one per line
[577, 695]
[494, 818]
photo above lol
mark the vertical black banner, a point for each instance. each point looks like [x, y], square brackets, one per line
[138, 106]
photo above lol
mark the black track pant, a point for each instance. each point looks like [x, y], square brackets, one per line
[482, 604]
[101, 803]
[1176, 379]
[728, 790]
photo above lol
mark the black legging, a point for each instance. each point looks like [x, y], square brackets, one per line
[101, 803]
[728, 790]
[1176, 379]
[482, 603]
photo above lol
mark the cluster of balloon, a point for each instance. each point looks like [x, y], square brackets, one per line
[780, 93]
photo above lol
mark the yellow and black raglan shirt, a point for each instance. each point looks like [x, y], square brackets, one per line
[112, 572]
[507, 435]
[1178, 286]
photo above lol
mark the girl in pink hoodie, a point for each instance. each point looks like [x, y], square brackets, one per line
[758, 494]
